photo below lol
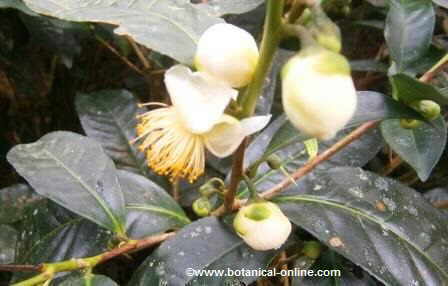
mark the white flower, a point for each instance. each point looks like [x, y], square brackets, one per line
[227, 53]
[319, 97]
[262, 225]
[174, 137]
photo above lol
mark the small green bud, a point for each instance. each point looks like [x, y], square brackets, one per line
[274, 162]
[409, 123]
[428, 108]
[202, 207]
[312, 249]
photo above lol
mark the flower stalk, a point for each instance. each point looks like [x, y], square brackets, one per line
[272, 33]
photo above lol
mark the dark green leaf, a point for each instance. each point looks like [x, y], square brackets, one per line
[409, 89]
[88, 280]
[109, 117]
[13, 200]
[331, 261]
[171, 27]
[293, 156]
[379, 224]
[48, 236]
[73, 171]
[371, 106]
[150, 209]
[8, 237]
[204, 244]
[60, 37]
[409, 29]
[420, 147]
[377, 106]
[443, 3]
[219, 8]
[17, 4]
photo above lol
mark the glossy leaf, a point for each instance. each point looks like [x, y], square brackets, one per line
[13, 201]
[109, 117]
[204, 244]
[88, 280]
[219, 8]
[409, 89]
[46, 235]
[409, 29]
[420, 147]
[155, 24]
[8, 238]
[443, 3]
[150, 209]
[293, 156]
[370, 106]
[73, 171]
[377, 223]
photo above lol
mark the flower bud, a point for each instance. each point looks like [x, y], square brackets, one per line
[410, 123]
[318, 94]
[262, 225]
[324, 30]
[428, 108]
[227, 53]
[202, 207]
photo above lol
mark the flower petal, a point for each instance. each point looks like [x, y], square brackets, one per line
[199, 100]
[228, 133]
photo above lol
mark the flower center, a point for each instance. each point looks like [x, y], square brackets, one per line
[170, 149]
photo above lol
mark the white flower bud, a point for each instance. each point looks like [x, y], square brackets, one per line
[262, 225]
[227, 53]
[319, 97]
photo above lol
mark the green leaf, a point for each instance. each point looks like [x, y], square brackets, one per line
[377, 223]
[13, 201]
[377, 106]
[409, 29]
[204, 244]
[280, 133]
[88, 280]
[219, 8]
[170, 27]
[17, 4]
[443, 3]
[330, 260]
[73, 171]
[50, 234]
[150, 209]
[8, 237]
[109, 117]
[293, 156]
[409, 89]
[420, 147]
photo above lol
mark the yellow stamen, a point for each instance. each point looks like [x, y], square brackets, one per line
[170, 149]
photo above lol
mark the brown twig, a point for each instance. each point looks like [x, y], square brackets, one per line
[20, 268]
[139, 53]
[139, 245]
[235, 178]
[441, 204]
[324, 156]
[309, 166]
[124, 59]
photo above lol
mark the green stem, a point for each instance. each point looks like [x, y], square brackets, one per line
[271, 38]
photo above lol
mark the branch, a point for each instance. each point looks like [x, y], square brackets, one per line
[50, 269]
[309, 166]
[20, 268]
[235, 178]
